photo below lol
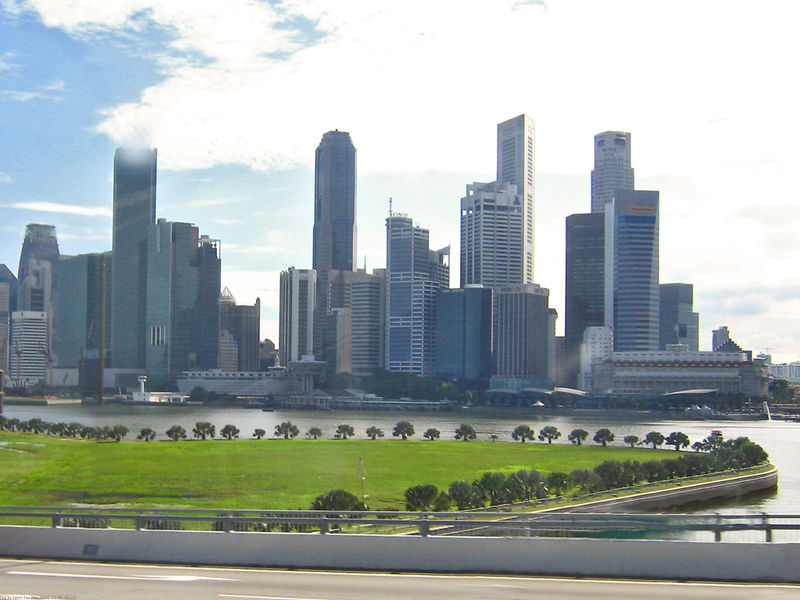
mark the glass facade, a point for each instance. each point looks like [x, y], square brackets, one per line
[134, 213]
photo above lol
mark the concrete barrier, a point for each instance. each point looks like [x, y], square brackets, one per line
[773, 562]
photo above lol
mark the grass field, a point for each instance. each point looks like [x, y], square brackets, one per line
[39, 470]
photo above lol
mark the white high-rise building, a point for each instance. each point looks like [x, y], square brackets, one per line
[298, 292]
[492, 235]
[515, 165]
[29, 347]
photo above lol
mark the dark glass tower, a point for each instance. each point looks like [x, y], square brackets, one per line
[134, 213]
[584, 284]
[464, 333]
[334, 220]
[678, 323]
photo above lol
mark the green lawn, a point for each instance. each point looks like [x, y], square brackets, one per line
[38, 470]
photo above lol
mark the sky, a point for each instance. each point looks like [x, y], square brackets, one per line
[236, 96]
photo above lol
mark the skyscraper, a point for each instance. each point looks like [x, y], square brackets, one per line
[414, 276]
[77, 339]
[631, 270]
[134, 214]
[175, 254]
[298, 292]
[678, 323]
[464, 332]
[515, 165]
[612, 167]
[523, 334]
[584, 301]
[492, 223]
[334, 219]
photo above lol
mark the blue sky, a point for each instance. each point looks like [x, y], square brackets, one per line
[237, 95]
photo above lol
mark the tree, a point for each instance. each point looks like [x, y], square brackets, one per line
[259, 433]
[314, 433]
[344, 430]
[465, 432]
[203, 430]
[421, 497]
[677, 439]
[603, 436]
[197, 394]
[549, 433]
[698, 446]
[557, 482]
[432, 434]
[587, 480]
[374, 432]
[526, 485]
[403, 430]
[632, 440]
[176, 432]
[655, 438]
[337, 500]
[577, 436]
[229, 432]
[466, 495]
[287, 429]
[119, 432]
[73, 429]
[146, 435]
[35, 425]
[522, 433]
[493, 486]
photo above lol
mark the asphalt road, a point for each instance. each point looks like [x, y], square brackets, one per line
[93, 581]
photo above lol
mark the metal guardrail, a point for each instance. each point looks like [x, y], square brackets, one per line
[606, 525]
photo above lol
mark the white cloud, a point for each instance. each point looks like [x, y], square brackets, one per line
[5, 61]
[53, 207]
[5, 178]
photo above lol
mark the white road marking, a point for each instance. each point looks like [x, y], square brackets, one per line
[181, 578]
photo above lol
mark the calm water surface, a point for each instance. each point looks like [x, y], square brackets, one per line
[779, 439]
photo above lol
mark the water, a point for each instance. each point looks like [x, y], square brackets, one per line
[778, 438]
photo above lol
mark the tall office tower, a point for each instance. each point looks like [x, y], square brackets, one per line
[28, 360]
[367, 306]
[205, 318]
[492, 234]
[678, 323]
[612, 167]
[6, 276]
[134, 214]
[298, 293]
[584, 302]
[464, 332]
[40, 243]
[515, 165]
[334, 219]
[414, 276]
[80, 283]
[5, 325]
[522, 332]
[247, 333]
[228, 348]
[178, 262]
[631, 270]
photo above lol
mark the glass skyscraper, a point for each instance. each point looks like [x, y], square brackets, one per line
[334, 222]
[631, 270]
[414, 276]
[134, 213]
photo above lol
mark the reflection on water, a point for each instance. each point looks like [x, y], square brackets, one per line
[778, 438]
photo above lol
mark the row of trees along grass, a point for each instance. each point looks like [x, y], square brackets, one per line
[495, 488]
[204, 430]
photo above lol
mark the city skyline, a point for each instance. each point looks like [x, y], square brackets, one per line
[74, 85]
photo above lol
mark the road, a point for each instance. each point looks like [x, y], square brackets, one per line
[94, 581]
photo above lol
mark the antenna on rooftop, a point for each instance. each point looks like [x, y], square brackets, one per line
[390, 206]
